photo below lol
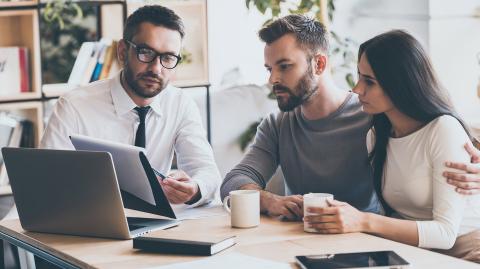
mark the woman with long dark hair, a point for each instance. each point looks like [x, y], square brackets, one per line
[415, 130]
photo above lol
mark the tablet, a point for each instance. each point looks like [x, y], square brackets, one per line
[137, 180]
[375, 259]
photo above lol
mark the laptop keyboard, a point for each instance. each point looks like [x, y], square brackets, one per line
[135, 223]
[138, 223]
[132, 227]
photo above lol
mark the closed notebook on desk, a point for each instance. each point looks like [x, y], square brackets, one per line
[180, 246]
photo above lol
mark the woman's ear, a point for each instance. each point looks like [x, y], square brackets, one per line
[320, 63]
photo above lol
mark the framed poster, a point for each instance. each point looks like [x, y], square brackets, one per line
[193, 70]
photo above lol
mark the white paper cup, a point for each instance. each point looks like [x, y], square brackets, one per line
[314, 200]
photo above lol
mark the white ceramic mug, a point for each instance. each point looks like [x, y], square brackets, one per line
[244, 208]
[314, 200]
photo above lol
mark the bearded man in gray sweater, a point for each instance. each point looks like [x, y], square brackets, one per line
[318, 138]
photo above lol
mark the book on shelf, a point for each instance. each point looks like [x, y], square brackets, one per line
[92, 62]
[14, 132]
[205, 245]
[110, 60]
[95, 60]
[81, 63]
[99, 62]
[14, 70]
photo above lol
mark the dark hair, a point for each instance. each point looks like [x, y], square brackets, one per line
[310, 34]
[403, 70]
[156, 15]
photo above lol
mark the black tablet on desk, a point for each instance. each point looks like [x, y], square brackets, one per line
[138, 183]
[374, 259]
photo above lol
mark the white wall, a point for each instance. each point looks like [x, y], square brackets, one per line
[447, 29]
[233, 42]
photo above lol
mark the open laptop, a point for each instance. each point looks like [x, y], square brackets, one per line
[72, 192]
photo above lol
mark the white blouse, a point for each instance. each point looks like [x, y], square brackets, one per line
[415, 188]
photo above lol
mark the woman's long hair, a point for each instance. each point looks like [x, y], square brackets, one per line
[403, 70]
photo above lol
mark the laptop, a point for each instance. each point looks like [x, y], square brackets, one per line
[138, 181]
[72, 192]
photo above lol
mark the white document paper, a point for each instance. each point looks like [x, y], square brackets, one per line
[230, 261]
[183, 212]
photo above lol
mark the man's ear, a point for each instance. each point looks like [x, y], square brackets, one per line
[122, 49]
[320, 63]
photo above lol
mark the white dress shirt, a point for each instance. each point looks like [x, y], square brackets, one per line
[415, 188]
[104, 110]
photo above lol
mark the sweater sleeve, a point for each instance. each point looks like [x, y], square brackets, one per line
[260, 162]
[446, 144]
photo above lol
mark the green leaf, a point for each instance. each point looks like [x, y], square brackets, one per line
[271, 95]
[275, 7]
[295, 11]
[318, 15]
[306, 5]
[331, 9]
[350, 80]
[57, 10]
[335, 37]
[247, 3]
[78, 10]
[267, 22]
[262, 6]
[247, 136]
[61, 23]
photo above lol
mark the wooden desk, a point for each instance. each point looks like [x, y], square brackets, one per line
[273, 239]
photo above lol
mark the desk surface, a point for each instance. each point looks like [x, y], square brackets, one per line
[272, 240]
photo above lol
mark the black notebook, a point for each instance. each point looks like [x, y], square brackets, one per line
[177, 246]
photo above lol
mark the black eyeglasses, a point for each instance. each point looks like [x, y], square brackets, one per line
[147, 55]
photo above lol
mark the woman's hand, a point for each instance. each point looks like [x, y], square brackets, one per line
[339, 217]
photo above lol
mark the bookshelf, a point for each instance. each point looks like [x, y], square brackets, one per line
[32, 111]
[19, 27]
[17, 4]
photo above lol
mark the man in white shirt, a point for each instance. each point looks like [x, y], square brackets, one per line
[138, 106]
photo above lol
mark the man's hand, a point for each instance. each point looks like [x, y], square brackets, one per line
[180, 188]
[339, 217]
[467, 176]
[287, 207]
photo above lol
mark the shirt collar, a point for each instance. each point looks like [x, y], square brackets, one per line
[124, 104]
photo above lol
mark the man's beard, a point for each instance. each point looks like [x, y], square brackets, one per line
[305, 88]
[133, 83]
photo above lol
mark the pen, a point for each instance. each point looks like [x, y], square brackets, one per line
[162, 177]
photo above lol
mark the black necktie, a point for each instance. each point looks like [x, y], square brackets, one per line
[140, 136]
